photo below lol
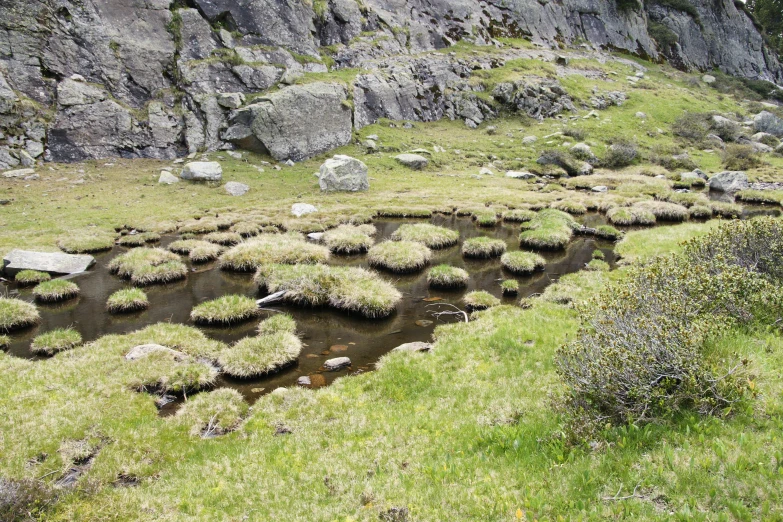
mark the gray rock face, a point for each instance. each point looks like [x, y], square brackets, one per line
[234, 188]
[728, 181]
[202, 171]
[537, 99]
[298, 122]
[167, 178]
[338, 363]
[55, 263]
[767, 122]
[343, 174]
[413, 161]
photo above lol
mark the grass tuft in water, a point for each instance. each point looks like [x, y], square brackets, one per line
[16, 314]
[148, 266]
[399, 256]
[551, 229]
[480, 300]
[522, 263]
[214, 413]
[349, 239]
[664, 211]
[446, 276]
[262, 355]
[223, 238]
[5, 342]
[138, 240]
[55, 291]
[288, 249]
[483, 247]
[510, 287]
[225, 311]
[608, 232]
[629, 216]
[31, 277]
[518, 216]
[56, 341]
[277, 323]
[127, 300]
[429, 235]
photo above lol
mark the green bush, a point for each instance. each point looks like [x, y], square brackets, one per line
[740, 157]
[663, 36]
[643, 351]
[620, 154]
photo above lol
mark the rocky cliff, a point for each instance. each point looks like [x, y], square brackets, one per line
[83, 79]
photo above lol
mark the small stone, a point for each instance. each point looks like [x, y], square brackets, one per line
[290, 163]
[708, 79]
[492, 130]
[413, 347]
[141, 351]
[486, 172]
[304, 381]
[20, 173]
[315, 236]
[413, 161]
[301, 209]
[592, 114]
[424, 323]
[233, 100]
[373, 137]
[641, 115]
[338, 363]
[529, 140]
[167, 178]
[234, 188]
[203, 171]
[562, 60]
[600, 189]
[520, 175]
[234, 154]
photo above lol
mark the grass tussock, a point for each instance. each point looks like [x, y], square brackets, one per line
[214, 413]
[246, 229]
[630, 216]
[183, 338]
[480, 300]
[149, 266]
[429, 235]
[700, 212]
[56, 341]
[446, 276]
[288, 249]
[225, 311]
[55, 291]
[138, 240]
[349, 239]
[518, 215]
[663, 211]
[31, 277]
[86, 242]
[550, 230]
[608, 232]
[16, 314]
[510, 287]
[223, 238]
[485, 218]
[127, 300]
[200, 226]
[352, 290]
[257, 356]
[522, 263]
[277, 323]
[404, 212]
[770, 197]
[571, 207]
[5, 342]
[399, 256]
[165, 372]
[726, 210]
[483, 247]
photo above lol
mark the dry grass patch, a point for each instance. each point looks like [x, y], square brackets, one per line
[429, 235]
[127, 300]
[770, 197]
[149, 266]
[288, 249]
[349, 239]
[16, 314]
[483, 247]
[55, 291]
[262, 355]
[214, 413]
[404, 212]
[522, 263]
[399, 256]
[225, 311]
[56, 341]
[31, 277]
[446, 276]
[700, 212]
[569, 206]
[200, 226]
[198, 251]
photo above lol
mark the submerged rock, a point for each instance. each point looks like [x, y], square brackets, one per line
[51, 262]
[203, 171]
[338, 363]
[729, 181]
[344, 174]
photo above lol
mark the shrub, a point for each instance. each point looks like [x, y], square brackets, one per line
[225, 311]
[663, 36]
[31, 277]
[16, 314]
[480, 300]
[643, 353]
[214, 413]
[620, 154]
[55, 291]
[740, 157]
[399, 256]
[148, 266]
[56, 341]
[24, 500]
[262, 355]
[430, 235]
[522, 262]
[575, 132]
[127, 300]
[550, 230]
[446, 276]
[348, 239]
[272, 248]
[693, 126]
[483, 247]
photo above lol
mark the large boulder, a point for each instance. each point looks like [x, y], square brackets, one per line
[767, 122]
[296, 123]
[729, 181]
[343, 174]
[55, 263]
[202, 171]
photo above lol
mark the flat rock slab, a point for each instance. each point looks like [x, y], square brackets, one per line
[338, 363]
[413, 347]
[21, 173]
[55, 263]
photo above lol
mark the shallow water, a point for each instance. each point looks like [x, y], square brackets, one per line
[326, 333]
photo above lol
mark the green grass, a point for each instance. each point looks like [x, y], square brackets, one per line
[349, 239]
[551, 229]
[198, 251]
[518, 215]
[31, 277]
[127, 300]
[429, 235]
[225, 311]
[214, 413]
[447, 276]
[772, 197]
[262, 355]
[480, 300]
[664, 211]
[16, 314]
[56, 341]
[272, 248]
[5, 342]
[399, 256]
[223, 238]
[55, 291]
[510, 287]
[138, 240]
[522, 263]
[608, 232]
[483, 247]
[148, 266]
[86, 242]
[277, 323]
[629, 216]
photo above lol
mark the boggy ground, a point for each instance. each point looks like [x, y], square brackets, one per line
[464, 432]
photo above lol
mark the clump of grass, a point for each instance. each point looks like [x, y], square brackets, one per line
[201, 226]
[485, 218]
[608, 232]
[127, 300]
[571, 207]
[598, 254]
[262, 355]
[399, 256]
[286, 249]
[740, 157]
[404, 212]
[480, 300]
[522, 262]
[664, 211]
[86, 242]
[186, 339]
[726, 210]
[246, 229]
[31, 277]
[688, 199]
[597, 265]
[550, 230]
[772, 197]
[16, 314]
[223, 238]
[56, 341]
[628, 216]
[5, 342]
[138, 240]
[349, 289]
[429, 235]
[700, 212]
[148, 266]
[225, 311]
[518, 215]
[167, 372]
[198, 251]
[483, 247]
[214, 413]
[446, 276]
[277, 323]
[510, 287]
[348, 239]
[55, 291]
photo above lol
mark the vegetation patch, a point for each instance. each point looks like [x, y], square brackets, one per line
[201, 226]
[483, 247]
[550, 230]
[571, 207]
[510, 287]
[608, 232]
[349, 289]
[597, 265]
[663, 211]
[223, 238]
[262, 355]
[127, 300]
[772, 197]
[480, 300]
[225, 311]
[5, 342]
[399, 256]
[522, 262]
[518, 215]
[31, 277]
[289, 249]
[205, 253]
[166, 372]
[214, 413]
[726, 210]
[447, 276]
[16, 314]
[86, 243]
[149, 266]
[429, 235]
[740, 157]
[56, 341]
[404, 212]
[277, 323]
[138, 240]
[55, 291]
[349, 239]
[700, 212]
[186, 339]
[629, 216]
[485, 218]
